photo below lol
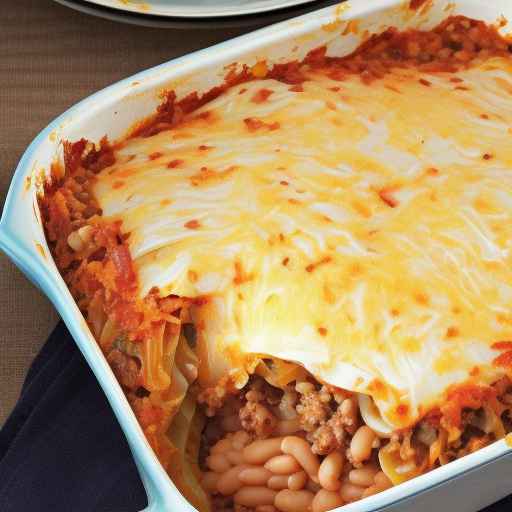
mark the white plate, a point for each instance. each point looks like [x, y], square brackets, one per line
[198, 8]
[147, 19]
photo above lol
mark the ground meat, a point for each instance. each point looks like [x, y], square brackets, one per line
[125, 368]
[328, 415]
[323, 440]
[314, 409]
[260, 391]
[330, 436]
[257, 420]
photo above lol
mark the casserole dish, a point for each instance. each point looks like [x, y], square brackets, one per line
[133, 99]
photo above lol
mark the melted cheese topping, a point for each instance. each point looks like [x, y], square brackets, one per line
[362, 231]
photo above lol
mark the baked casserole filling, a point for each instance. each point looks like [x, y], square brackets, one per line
[302, 279]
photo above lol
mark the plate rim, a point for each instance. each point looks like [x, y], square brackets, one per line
[251, 21]
[146, 9]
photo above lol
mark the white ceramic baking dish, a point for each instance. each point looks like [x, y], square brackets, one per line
[465, 485]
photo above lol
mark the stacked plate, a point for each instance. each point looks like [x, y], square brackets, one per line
[196, 13]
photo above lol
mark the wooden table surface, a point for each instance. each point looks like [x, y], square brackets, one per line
[52, 57]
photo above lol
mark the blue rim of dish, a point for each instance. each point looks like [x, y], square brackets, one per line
[152, 20]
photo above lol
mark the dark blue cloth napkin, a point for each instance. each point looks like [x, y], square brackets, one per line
[62, 450]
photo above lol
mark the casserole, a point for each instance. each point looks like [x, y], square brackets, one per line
[305, 34]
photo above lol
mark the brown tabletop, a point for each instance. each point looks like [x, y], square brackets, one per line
[52, 57]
